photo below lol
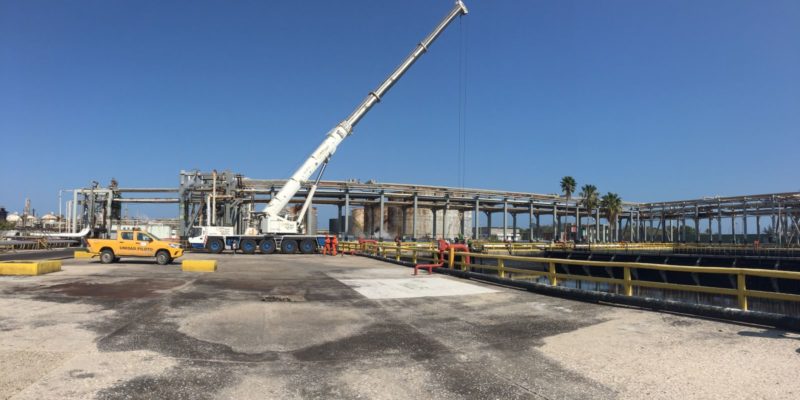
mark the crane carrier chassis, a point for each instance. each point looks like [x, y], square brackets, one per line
[216, 239]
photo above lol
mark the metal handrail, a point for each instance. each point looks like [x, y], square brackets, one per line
[398, 252]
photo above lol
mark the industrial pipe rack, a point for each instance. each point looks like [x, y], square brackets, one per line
[712, 219]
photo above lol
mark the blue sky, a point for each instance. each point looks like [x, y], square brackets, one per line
[654, 100]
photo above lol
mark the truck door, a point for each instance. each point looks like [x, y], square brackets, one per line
[127, 246]
[145, 245]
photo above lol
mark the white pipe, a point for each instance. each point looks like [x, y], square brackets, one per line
[213, 216]
[60, 217]
[67, 219]
[74, 211]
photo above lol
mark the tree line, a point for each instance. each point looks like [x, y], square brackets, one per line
[610, 204]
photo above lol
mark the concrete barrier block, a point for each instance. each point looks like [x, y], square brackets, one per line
[199, 265]
[84, 254]
[39, 267]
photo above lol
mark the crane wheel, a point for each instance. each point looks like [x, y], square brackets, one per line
[248, 246]
[215, 245]
[288, 246]
[307, 246]
[267, 246]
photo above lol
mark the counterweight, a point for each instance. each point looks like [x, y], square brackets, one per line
[345, 128]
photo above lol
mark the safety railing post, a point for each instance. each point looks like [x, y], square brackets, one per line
[463, 263]
[451, 257]
[741, 290]
[397, 253]
[552, 274]
[501, 268]
[414, 256]
[628, 285]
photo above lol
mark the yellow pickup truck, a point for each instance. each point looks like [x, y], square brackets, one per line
[134, 243]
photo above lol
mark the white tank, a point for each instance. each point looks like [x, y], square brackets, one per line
[366, 223]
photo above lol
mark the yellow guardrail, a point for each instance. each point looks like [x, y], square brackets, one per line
[509, 247]
[413, 250]
[741, 292]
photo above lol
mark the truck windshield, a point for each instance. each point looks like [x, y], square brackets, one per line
[146, 237]
[195, 232]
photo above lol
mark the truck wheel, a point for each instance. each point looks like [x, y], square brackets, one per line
[248, 246]
[107, 256]
[288, 246]
[307, 246]
[215, 245]
[163, 258]
[267, 246]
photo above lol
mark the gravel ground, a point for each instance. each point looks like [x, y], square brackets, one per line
[662, 356]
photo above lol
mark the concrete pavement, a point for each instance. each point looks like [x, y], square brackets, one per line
[313, 327]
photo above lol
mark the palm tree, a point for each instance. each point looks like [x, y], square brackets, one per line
[590, 200]
[568, 188]
[612, 205]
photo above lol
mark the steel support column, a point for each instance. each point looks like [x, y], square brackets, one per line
[505, 219]
[555, 222]
[444, 221]
[489, 223]
[513, 227]
[530, 221]
[719, 223]
[414, 218]
[477, 214]
[758, 225]
[383, 201]
[338, 220]
[433, 211]
[744, 220]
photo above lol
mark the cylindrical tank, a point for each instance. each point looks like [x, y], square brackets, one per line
[355, 226]
[368, 223]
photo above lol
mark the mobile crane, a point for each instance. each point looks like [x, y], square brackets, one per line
[277, 229]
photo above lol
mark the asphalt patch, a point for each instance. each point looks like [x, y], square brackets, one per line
[308, 289]
[374, 341]
[151, 331]
[123, 290]
[515, 333]
[189, 380]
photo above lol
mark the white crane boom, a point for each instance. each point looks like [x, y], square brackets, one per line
[273, 222]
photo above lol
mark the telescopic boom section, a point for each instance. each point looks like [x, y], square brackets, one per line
[345, 128]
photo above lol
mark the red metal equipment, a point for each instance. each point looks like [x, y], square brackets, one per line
[444, 247]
